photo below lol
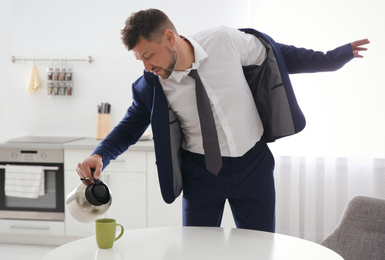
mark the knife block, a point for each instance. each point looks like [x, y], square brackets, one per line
[103, 126]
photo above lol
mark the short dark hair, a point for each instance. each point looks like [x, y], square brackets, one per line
[149, 24]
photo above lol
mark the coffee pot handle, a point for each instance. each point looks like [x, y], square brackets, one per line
[92, 173]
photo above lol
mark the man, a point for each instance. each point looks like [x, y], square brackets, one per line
[245, 76]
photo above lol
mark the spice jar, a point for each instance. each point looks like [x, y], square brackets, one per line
[50, 73]
[50, 88]
[62, 89]
[56, 88]
[69, 74]
[69, 89]
[56, 74]
[63, 74]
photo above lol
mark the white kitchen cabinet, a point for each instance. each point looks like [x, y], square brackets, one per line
[128, 198]
[32, 232]
[126, 178]
[160, 214]
[29, 227]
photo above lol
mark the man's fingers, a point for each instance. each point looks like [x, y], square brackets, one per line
[358, 43]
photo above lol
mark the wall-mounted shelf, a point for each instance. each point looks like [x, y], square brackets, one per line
[14, 59]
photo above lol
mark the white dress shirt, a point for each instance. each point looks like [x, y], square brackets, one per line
[220, 54]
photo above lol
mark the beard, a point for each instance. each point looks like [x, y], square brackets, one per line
[171, 66]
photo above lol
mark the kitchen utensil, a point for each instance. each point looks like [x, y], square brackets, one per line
[89, 200]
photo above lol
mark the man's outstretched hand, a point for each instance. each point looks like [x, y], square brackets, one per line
[356, 47]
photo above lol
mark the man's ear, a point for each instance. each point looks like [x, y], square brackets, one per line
[169, 37]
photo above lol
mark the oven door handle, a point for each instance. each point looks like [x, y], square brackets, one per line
[46, 168]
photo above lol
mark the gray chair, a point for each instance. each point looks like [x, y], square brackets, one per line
[360, 235]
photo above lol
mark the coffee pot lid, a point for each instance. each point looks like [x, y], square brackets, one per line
[97, 193]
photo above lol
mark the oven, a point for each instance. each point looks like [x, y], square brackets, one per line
[32, 178]
[20, 180]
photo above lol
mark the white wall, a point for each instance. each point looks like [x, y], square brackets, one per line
[344, 109]
[77, 29]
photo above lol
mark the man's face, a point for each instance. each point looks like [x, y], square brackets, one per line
[158, 58]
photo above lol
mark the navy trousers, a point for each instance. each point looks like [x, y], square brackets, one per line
[247, 183]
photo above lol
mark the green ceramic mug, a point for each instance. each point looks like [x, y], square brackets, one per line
[105, 231]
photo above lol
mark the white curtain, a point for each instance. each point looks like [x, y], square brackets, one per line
[320, 169]
[312, 192]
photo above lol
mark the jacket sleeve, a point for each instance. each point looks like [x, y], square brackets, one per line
[131, 127]
[301, 60]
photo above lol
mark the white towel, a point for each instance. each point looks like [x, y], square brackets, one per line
[34, 81]
[24, 181]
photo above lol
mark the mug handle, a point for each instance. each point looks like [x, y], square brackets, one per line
[121, 232]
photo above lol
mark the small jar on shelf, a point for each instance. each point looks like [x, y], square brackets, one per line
[69, 88]
[56, 74]
[50, 88]
[62, 75]
[69, 74]
[50, 73]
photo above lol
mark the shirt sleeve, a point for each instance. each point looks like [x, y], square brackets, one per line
[250, 48]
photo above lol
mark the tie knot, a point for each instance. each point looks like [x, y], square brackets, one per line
[194, 74]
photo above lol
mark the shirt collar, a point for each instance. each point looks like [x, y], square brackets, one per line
[199, 55]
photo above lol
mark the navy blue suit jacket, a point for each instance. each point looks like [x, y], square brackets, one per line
[270, 86]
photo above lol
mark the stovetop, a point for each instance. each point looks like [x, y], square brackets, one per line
[35, 149]
[38, 142]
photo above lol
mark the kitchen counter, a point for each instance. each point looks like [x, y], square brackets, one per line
[79, 144]
[92, 143]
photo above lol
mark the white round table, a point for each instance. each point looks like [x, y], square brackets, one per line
[196, 243]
